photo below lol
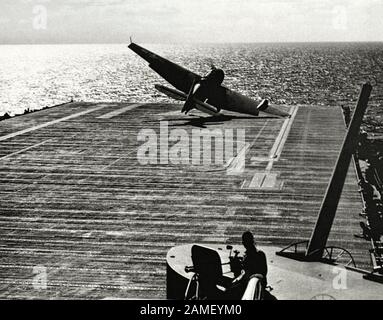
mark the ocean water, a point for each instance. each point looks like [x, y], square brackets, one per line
[37, 76]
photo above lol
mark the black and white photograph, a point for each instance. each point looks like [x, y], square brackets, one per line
[199, 151]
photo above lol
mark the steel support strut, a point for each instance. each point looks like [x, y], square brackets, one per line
[330, 202]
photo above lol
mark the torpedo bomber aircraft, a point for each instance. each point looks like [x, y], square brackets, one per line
[206, 94]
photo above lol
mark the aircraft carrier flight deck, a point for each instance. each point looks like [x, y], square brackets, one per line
[76, 202]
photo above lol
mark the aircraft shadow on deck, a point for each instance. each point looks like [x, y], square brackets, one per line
[203, 122]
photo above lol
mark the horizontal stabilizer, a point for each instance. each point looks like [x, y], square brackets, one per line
[205, 107]
[179, 95]
[171, 93]
[264, 106]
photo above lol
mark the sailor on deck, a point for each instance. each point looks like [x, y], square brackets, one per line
[254, 261]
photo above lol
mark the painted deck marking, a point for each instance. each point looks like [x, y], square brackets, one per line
[280, 141]
[257, 180]
[25, 149]
[266, 179]
[115, 113]
[43, 125]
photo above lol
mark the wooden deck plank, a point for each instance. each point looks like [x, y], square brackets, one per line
[75, 200]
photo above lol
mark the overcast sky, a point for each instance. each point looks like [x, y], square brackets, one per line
[105, 21]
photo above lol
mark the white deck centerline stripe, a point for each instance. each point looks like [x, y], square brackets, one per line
[281, 139]
[115, 113]
[286, 133]
[43, 125]
[25, 149]
[265, 179]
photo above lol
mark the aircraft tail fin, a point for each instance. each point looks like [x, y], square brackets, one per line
[263, 105]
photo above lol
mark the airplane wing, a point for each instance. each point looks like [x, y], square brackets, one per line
[177, 76]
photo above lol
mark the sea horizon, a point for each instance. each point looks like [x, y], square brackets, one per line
[36, 76]
[196, 42]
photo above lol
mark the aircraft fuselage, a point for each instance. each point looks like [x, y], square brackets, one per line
[210, 89]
